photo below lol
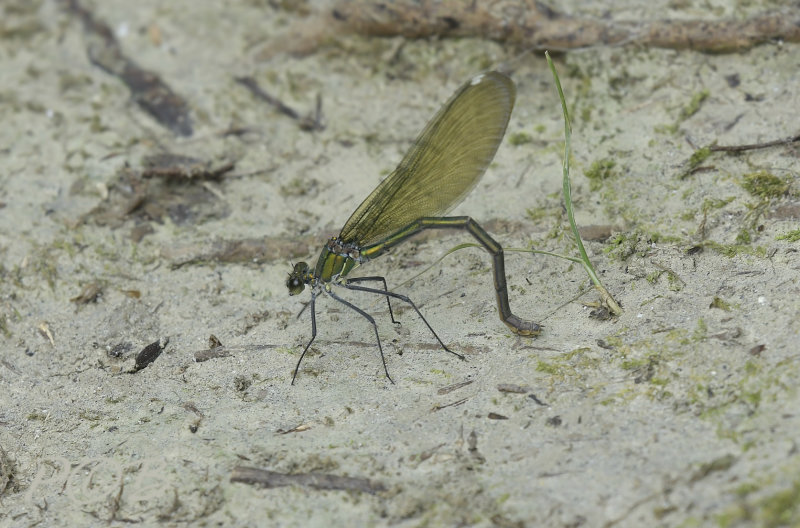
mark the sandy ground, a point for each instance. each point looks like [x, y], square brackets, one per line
[681, 412]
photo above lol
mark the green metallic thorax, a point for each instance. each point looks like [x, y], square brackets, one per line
[336, 260]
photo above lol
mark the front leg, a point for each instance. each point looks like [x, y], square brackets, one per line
[313, 334]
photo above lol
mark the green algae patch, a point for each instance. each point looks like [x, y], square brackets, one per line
[721, 304]
[755, 508]
[520, 138]
[765, 185]
[624, 245]
[694, 104]
[699, 156]
[695, 160]
[711, 204]
[791, 236]
[733, 250]
[600, 171]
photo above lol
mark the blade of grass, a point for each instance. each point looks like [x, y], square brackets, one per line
[608, 300]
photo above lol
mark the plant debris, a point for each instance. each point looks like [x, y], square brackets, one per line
[152, 94]
[150, 353]
[322, 481]
[311, 122]
[528, 24]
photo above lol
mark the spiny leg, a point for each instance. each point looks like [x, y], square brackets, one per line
[369, 318]
[377, 278]
[407, 300]
[313, 334]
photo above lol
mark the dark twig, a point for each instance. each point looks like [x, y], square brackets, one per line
[147, 89]
[273, 479]
[754, 146]
[456, 403]
[311, 122]
[455, 386]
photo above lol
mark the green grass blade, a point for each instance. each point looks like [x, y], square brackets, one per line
[612, 305]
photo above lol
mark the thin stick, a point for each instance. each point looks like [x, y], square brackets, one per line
[754, 146]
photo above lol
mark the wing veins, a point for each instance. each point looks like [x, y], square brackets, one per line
[445, 162]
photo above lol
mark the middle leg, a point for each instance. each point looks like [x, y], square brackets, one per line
[406, 300]
[377, 278]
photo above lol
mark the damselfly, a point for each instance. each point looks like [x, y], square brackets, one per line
[441, 168]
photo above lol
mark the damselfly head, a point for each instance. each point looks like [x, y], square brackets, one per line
[297, 278]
